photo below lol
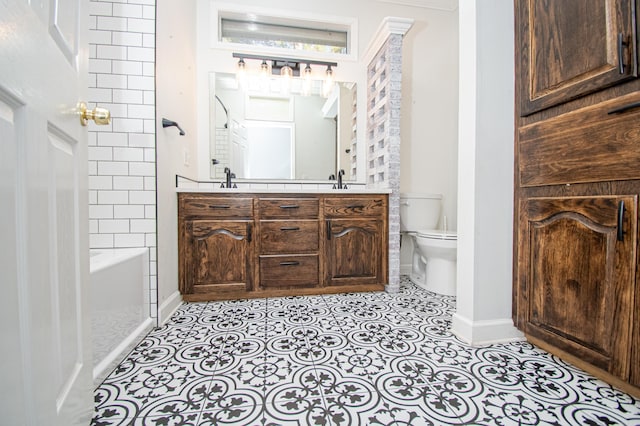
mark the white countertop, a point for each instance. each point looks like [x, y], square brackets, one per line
[356, 190]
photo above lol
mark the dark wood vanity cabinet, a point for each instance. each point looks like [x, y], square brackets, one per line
[215, 244]
[257, 245]
[355, 240]
[577, 182]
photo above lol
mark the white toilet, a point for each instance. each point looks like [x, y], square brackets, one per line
[434, 251]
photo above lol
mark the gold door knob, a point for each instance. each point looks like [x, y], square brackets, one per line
[100, 116]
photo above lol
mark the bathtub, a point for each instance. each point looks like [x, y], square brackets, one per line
[120, 315]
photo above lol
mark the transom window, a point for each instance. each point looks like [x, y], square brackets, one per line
[284, 33]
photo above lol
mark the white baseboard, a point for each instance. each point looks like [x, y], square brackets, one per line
[168, 307]
[482, 333]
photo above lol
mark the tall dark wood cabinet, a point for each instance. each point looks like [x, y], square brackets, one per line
[577, 182]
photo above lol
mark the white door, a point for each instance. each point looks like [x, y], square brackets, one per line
[46, 360]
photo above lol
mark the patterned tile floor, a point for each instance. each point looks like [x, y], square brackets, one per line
[355, 359]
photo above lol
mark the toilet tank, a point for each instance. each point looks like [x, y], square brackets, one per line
[419, 211]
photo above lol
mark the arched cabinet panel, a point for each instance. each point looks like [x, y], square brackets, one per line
[579, 289]
[354, 250]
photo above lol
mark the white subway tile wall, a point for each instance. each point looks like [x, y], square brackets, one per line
[122, 210]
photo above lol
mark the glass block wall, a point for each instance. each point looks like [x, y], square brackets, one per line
[384, 75]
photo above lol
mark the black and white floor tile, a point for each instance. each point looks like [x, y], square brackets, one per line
[351, 359]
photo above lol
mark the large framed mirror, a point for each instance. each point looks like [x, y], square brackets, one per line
[273, 134]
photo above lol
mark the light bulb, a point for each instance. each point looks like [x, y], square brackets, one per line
[327, 87]
[241, 74]
[286, 72]
[306, 81]
[264, 76]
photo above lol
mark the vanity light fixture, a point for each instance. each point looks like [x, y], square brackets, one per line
[327, 86]
[265, 72]
[307, 74]
[241, 73]
[264, 69]
[287, 68]
[286, 72]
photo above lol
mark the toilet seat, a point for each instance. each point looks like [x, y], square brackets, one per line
[437, 234]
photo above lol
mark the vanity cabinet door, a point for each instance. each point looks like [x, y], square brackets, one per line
[216, 256]
[354, 252]
[578, 275]
[356, 241]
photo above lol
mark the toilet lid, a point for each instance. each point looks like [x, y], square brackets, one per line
[438, 233]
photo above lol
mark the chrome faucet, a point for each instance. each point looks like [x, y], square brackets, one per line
[229, 175]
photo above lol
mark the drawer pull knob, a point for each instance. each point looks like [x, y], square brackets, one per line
[219, 207]
[292, 263]
[355, 206]
[624, 108]
[290, 206]
[290, 228]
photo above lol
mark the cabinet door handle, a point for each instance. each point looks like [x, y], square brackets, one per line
[290, 228]
[290, 206]
[620, 220]
[355, 206]
[248, 232]
[328, 229]
[215, 206]
[624, 108]
[621, 45]
[292, 263]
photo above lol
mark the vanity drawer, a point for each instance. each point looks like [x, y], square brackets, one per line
[288, 236]
[212, 206]
[355, 206]
[287, 271]
[288, 208]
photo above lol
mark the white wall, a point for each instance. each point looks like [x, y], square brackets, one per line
[175, 100]
[429, 148]
[485, 199]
